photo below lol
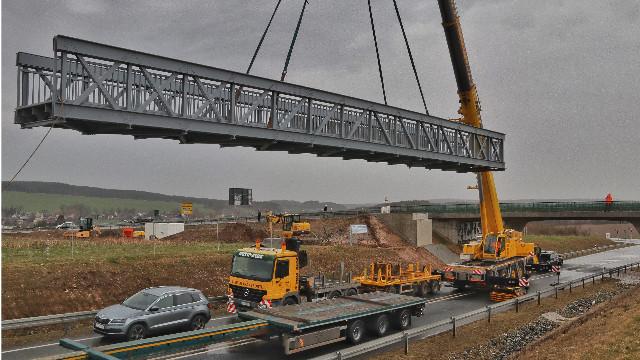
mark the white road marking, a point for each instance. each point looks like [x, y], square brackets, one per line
[447, 297]
[46, 345]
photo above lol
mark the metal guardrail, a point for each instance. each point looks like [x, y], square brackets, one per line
[452, 323]
[56, 319]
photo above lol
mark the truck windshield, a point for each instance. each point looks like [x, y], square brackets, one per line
[252, 266]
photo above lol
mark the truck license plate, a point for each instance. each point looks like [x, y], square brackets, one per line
[244, 303]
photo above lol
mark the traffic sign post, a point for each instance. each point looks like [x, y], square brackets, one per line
[556, 269]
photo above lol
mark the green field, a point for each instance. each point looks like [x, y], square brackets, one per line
[52, 203]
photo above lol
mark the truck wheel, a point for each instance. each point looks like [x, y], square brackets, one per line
[355, 332]
[334, 294]
[289, 301]
[379, 325]
[423, 289]
[352, 292]
[402, 320]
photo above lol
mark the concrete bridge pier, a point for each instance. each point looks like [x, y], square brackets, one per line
[415, 229]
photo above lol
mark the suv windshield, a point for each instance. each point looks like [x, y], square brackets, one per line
[140, 301]
[252, 266]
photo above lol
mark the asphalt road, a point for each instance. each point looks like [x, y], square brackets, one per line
[442, 306]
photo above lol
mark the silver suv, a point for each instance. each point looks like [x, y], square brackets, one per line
[153, 310]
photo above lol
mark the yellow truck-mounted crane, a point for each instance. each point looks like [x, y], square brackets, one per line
[498, 261]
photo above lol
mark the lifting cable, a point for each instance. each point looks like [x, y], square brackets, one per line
[293, 42]
[375, 42]
[413, 65]
[264, 34]
[31, 156]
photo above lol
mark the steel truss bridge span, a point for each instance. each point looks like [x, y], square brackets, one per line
[100, 89]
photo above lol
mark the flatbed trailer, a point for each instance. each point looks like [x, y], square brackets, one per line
[300, 327]
[412, 279]
[309, 325]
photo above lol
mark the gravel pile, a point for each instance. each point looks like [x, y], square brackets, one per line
[580, 306]
[507, 343]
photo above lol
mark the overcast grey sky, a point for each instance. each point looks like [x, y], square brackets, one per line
[560, 78]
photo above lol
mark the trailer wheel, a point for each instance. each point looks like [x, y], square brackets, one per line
[352, 292]
[355, 332]
[423, 289]
[402, 320]
[334, 294]
[379, 325]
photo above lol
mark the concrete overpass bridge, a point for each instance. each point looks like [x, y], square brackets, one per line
[461, 222]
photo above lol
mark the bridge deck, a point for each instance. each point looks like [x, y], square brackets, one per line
[100, 89]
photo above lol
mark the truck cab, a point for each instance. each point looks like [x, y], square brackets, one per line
[260, 273]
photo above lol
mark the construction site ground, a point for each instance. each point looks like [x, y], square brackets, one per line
[42, 273]
[510, 332]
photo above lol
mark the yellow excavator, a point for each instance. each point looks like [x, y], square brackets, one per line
[500, 261]
[292, 225]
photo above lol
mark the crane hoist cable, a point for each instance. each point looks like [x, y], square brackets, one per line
[375, 42]
[293, 41]
[413, 65]
[264, 34]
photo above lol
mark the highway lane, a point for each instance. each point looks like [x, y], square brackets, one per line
[447, 303]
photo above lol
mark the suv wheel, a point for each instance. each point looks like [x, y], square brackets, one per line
[198, 322]
[136, 332]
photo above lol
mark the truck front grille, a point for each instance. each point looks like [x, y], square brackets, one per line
[241, 292]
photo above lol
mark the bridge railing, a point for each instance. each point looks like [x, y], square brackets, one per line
[94, 75]
[543, 206]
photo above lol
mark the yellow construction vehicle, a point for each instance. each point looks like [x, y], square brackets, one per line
[499, 260]
[412, 280]
[86, 230]
[263, 276]
[292, 225]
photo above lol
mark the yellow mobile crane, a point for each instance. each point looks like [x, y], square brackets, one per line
[498, 261]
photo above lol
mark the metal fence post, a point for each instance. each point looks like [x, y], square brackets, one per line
[594, 279]
[583, 283]
[517, 303]
[489, 312]
[453, 321]
[556, 291]
[405, 336]
[570, 286]
[538, 297]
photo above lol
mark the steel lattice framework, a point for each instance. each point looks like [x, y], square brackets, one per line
[100, 89]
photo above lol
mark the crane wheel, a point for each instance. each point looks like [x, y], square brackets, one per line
[434, 286]
[423, 289]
